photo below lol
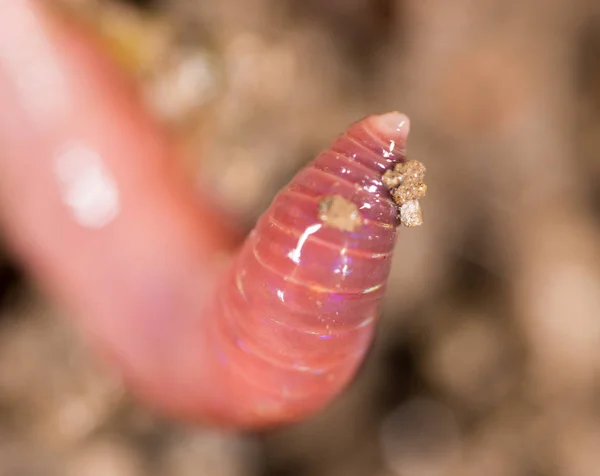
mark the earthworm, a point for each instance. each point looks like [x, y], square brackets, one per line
[106, 225]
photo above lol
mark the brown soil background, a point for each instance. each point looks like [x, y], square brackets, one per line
[488, 356]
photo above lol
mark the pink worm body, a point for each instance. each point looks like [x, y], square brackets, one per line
[280, 334]
[296, 314]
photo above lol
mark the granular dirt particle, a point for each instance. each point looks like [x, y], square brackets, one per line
[337, 212]
[405, 183]
[410, 213]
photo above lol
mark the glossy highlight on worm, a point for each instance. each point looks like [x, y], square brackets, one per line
[113, 233]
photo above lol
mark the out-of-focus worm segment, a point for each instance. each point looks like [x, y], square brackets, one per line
[297, 313]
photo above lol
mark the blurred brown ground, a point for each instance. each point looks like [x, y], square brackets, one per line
[488, 357]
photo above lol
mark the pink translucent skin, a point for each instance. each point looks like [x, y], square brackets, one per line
[297, 312]
[271, 340]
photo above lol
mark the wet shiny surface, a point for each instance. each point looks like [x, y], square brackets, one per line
[299, 309]
[87, 187]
